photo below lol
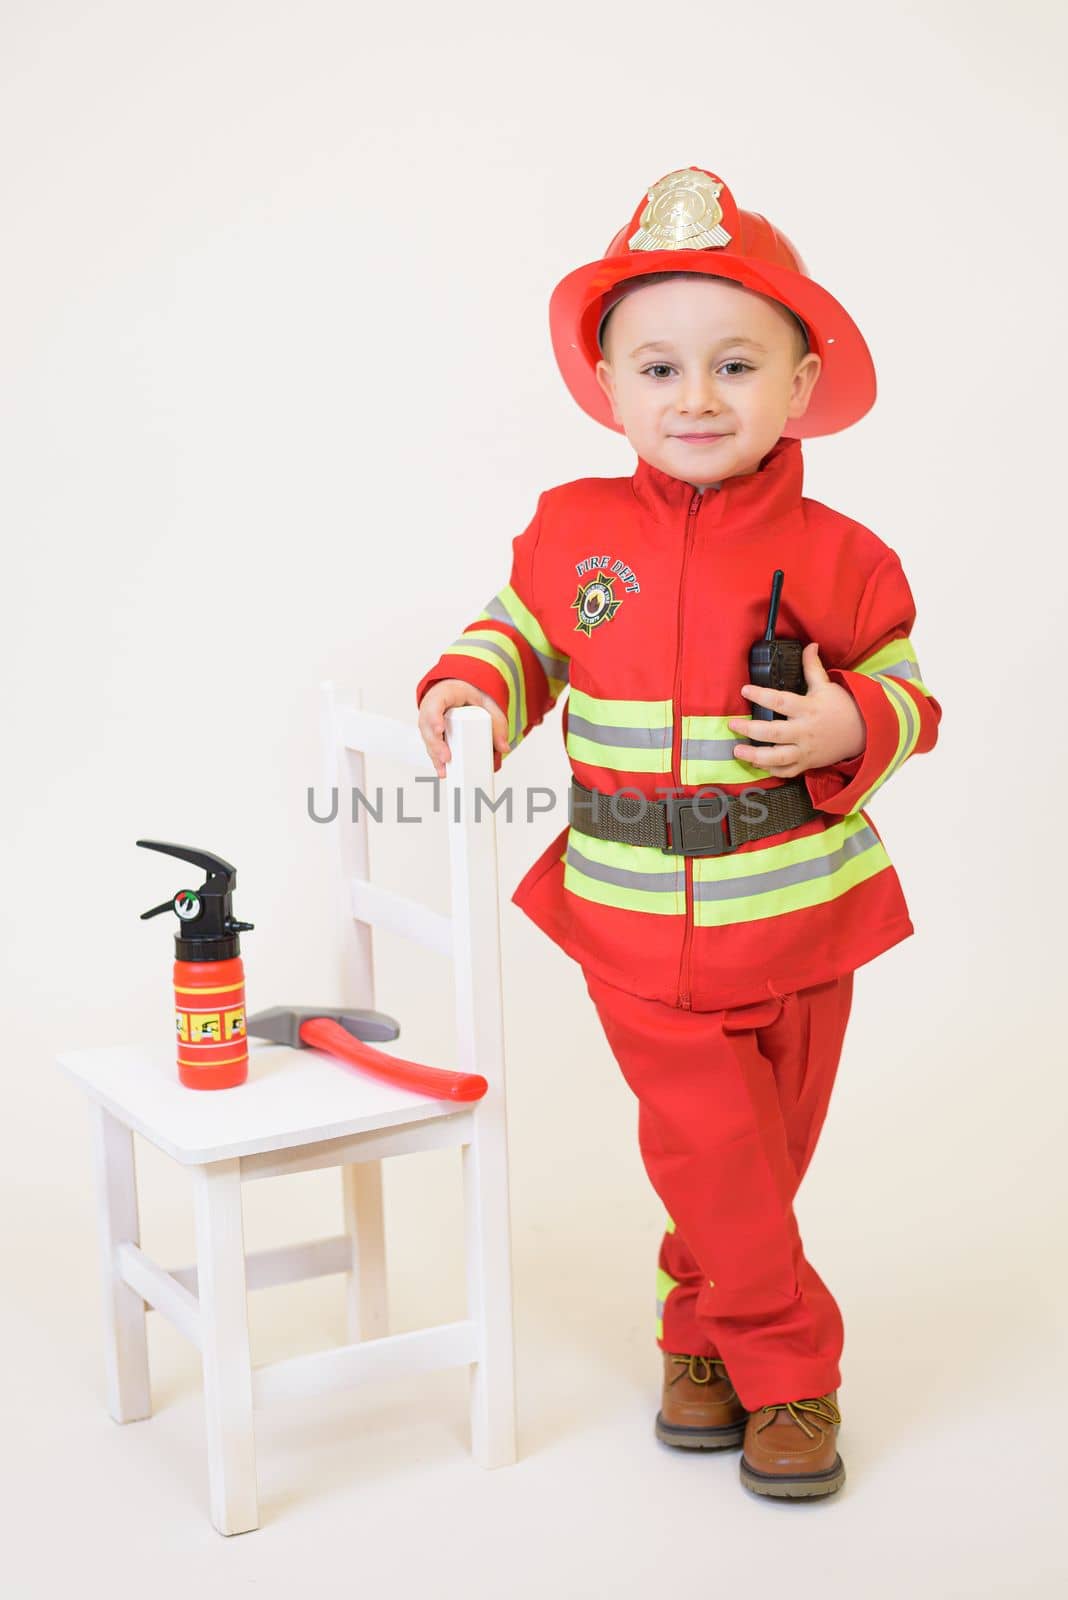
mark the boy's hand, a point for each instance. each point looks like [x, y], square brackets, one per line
[441, 697]
[821, 727]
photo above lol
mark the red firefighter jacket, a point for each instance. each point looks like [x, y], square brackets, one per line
[642, 595]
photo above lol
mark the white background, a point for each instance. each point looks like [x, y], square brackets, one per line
[277, 393]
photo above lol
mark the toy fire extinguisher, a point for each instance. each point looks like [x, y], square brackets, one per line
[209, 975]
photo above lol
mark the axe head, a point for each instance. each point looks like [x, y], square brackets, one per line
[281, 1024]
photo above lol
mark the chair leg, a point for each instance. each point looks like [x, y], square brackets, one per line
[225, 1346]
[367, 1295]
[489, 1294]
[128, 1392]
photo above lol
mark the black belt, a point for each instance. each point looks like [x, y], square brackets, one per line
[709, 823]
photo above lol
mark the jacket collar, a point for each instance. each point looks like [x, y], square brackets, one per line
[774, 488]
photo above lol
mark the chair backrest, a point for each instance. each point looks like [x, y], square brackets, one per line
[470, 934]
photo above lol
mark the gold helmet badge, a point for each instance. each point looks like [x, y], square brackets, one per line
[683, 213]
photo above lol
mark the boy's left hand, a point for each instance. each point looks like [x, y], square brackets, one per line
[821, 727]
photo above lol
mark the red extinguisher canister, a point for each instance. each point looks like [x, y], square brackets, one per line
[209, 975]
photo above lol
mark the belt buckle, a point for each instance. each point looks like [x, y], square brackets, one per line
[693, 835]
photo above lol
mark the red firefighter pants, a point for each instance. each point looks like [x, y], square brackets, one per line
[730, 1106]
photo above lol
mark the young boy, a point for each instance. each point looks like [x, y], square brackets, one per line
[718, 880]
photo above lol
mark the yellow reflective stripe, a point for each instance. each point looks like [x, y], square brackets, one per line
[788, 852]
[620, 735]
[786, 877]
[631, 877]
[622, 713]
[891, 666]
[664, 1285]
[614, 758]
[907, 706]
[669, 1226]
[896, 659]
[631, 861]
[525, 620]
[506, 606]
[496, 648]
[727, 889]
[908, 732]
[896, 650]
[707, 753]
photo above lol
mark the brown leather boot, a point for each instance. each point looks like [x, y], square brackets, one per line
[790, 1449]
[699, 1409]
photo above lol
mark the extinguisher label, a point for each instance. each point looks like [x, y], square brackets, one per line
[181, 1023]
[234, 1023]
[204, 1028]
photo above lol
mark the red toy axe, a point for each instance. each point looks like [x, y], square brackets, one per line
[343, 1034]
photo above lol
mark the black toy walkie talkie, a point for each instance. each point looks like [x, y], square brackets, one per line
[774, 663]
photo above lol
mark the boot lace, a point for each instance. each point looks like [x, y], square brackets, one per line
[691, 1363]
[824, 1408]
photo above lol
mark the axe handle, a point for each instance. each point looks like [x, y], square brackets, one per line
[322, 1034]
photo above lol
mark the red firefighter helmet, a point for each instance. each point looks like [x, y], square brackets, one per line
[689, 222]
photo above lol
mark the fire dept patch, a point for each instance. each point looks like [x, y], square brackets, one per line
[595, 603]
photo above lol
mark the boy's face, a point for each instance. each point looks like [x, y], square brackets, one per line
[704, 356]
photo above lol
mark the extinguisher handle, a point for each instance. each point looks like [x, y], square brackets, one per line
[322, 1034]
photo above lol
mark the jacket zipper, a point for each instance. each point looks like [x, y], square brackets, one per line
[676, 752]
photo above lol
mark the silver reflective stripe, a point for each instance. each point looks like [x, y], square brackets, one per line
[711, 749]
[911, 725]
[671, 881]
[900, 669]
[553, 666]
[610, 733]
[466, 642]
[783, 877]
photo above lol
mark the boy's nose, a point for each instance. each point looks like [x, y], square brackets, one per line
[698, 394]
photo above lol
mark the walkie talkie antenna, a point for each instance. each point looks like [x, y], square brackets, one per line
[773, 609]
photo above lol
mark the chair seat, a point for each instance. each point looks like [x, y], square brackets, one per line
[291, 1097]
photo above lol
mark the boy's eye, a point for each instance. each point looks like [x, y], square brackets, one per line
[657, 367]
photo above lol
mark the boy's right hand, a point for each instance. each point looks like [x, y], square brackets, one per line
[441, 697]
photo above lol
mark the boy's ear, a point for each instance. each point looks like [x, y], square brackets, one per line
[805, 379]
[603, 373]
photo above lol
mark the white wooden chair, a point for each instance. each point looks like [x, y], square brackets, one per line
[300, 1111]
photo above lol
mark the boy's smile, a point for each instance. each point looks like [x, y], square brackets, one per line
[702, 375]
